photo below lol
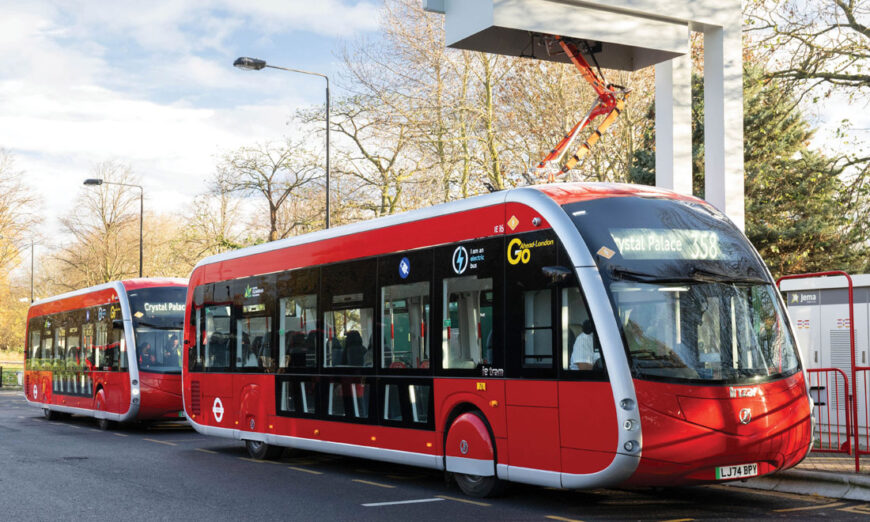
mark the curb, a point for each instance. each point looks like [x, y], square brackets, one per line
[826, 484]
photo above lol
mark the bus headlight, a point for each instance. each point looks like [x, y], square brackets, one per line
[134, 391]
[631, 445]
[626, 404]
[629, 424]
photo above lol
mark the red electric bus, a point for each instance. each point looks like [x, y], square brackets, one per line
[570, 335]
[77, 359]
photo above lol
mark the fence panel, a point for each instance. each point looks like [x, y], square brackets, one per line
[829, 389]
[862, 393]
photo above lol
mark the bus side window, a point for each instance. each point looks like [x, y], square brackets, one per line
[118, 345]
[348, 314]
[58, 356]
[34, 347]
[470, 305]
[405, 305]
[530, 298]
[297, 333]
[195, 352]
[466, 342]
[102, 341]
[218, 337]
[581, 350]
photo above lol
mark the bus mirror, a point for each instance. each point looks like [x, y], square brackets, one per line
[556, 274]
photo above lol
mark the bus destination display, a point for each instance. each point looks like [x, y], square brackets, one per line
[649, 243]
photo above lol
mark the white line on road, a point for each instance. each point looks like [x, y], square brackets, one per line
[417, 501]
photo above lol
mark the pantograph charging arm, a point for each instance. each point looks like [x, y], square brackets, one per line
[609, 103]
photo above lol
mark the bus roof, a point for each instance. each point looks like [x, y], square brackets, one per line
[128, 284]
[561, 193]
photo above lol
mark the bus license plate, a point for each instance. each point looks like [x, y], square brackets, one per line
[736, 472]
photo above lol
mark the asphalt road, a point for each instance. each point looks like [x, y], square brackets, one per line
[70, 470]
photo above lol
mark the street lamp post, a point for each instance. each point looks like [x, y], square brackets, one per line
[97, 182]
[254, 64]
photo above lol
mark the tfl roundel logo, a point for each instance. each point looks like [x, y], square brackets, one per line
[460, 260]
[404, 268]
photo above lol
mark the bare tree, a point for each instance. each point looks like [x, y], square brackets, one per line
[813, 42]
[103, 225]
[18, 212]
[273, 172]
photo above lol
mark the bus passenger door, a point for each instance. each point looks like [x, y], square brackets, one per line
[530, 334]
[587, 413]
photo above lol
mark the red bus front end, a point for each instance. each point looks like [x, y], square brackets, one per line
[111, 351]
[716, 373]
[698, 434]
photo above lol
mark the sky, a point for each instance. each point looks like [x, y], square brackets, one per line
[151, 84]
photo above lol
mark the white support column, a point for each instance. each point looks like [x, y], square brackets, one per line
[674, 124]
[723, 119]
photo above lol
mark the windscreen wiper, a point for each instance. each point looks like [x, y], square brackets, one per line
[159, 326]
[695, 275]
[702, 274]
[618, 272]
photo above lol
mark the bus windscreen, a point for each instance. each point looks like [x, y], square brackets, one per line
[692, 298]
[158, 320]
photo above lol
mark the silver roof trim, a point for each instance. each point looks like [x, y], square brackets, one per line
[97, 288]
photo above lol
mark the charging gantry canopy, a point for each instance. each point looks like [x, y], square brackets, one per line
[629, 35]
[627, 41]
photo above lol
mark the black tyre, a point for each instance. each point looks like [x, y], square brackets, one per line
[262, 451]
[479, 487]
[105, 424]
[476, 485]
[50, 415]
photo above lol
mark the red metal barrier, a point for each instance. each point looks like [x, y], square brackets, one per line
[832, 410]
[861, 388]
[854, 403]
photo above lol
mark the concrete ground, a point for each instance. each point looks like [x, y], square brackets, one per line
[826, 474]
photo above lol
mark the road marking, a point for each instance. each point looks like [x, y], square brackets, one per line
[476, 503]
[417, 501]
[74, 426]
[863, 509]
[374, 484]
[678, 520]
[95, 429]
[161, 442]
[120, 434]
[807, 508]
[554, 517]
[257, 460]
[206, 451]
[306, 470]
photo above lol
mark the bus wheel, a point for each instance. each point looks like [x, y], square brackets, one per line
[470, 456]
[105, 424]
[477, 486]
[262, 451]
[50, 415]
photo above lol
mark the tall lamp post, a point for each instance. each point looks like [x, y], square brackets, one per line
[98, 182]
[254, 64]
